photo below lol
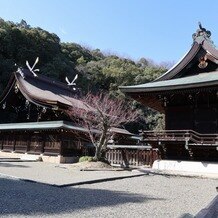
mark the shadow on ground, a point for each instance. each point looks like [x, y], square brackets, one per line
[3, 164]
[24, 198]
[186, 215]
[11, 162]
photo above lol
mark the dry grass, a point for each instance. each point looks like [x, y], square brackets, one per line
[86, 165]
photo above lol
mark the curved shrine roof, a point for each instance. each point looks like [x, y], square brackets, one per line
[196, 81]
[43, 91]
[187, 73]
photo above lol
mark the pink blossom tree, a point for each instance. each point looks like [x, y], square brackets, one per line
[99, 115]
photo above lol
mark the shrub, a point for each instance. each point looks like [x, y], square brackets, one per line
[86, 158]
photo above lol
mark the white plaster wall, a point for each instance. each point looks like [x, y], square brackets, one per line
[186, 166]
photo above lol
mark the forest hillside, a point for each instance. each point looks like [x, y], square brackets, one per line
[97, 71]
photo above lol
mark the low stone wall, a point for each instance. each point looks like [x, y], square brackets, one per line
[38, 157]
[186, 166]
[10, 154]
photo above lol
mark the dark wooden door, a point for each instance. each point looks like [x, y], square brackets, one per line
[36, 144]
[179, 118]
[206, 120]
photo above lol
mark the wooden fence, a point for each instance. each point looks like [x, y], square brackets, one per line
[132, 157]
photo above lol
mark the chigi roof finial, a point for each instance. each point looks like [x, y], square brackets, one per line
[201, 32]
[73, 81]
[31, 69]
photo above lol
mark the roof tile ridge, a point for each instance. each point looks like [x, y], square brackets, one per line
[48, 80]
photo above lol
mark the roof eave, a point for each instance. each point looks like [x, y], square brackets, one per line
[210, 49]
[8, 88]
[168, 88]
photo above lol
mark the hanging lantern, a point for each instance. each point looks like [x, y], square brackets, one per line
[16, 89]
[43, 110]
[27, 103]
[39, 116]
[4, 106]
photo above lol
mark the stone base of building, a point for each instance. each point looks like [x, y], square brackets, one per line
[39, 157]
[189, 167]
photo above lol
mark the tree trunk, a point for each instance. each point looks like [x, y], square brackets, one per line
[102, 144]
[97, 156]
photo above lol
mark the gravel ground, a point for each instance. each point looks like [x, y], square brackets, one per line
[147, 196]
[47, 173]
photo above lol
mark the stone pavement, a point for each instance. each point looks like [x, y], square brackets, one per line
[60, 175]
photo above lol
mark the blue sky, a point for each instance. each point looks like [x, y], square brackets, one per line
[160, 30]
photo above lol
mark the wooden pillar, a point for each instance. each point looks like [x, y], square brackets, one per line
[28, 141]
[124, 157]
[61, 142]
[1, 141]
[43, 143]
[14, 141]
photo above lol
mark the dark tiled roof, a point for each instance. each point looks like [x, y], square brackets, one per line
[52, 125]
[171, 79]
[31, 126]
[196, 81]
[44, 91]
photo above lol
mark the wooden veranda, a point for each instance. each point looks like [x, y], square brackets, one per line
[187, 144]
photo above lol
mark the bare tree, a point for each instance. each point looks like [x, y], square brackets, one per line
[100, 115]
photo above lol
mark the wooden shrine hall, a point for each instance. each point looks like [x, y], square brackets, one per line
[34, 120]
[188, 96]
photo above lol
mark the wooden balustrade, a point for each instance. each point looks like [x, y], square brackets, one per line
[136, 157]
[180, 135]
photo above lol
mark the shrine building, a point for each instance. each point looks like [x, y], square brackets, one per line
[34, 120]
[188, 96]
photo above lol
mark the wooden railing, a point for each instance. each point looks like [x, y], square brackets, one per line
[130, 157]
[189, 136]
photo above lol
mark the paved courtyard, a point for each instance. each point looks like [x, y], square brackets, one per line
[144, 196]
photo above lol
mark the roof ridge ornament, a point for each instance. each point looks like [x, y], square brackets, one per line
[73, 81]
[201, 32]
[31, 69]
[19, 70]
